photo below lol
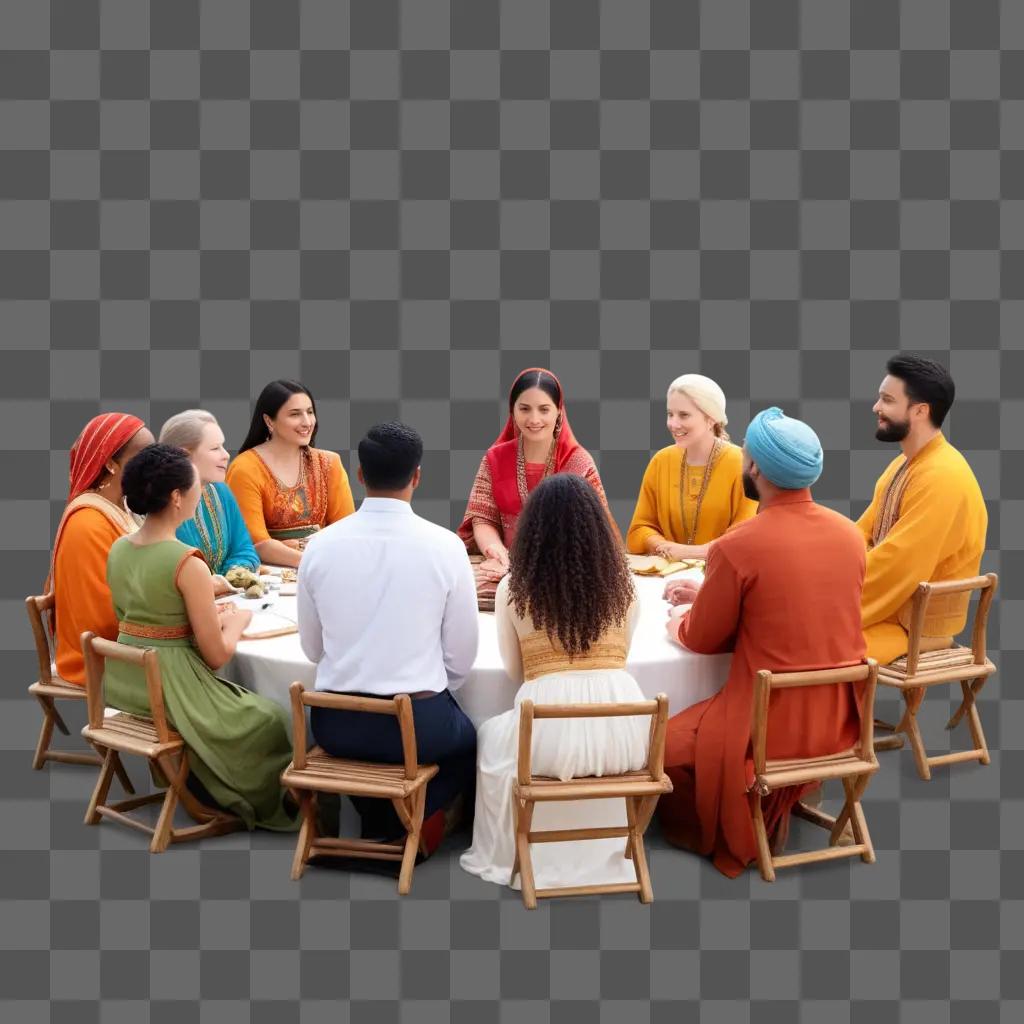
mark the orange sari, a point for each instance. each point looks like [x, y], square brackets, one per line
[78, 577]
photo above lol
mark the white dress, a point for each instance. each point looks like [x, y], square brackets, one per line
[562, 749]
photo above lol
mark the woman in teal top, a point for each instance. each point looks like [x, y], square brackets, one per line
[217, 529]
[238, 742]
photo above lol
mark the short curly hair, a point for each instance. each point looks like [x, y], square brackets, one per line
[568, 570]
[153, 475]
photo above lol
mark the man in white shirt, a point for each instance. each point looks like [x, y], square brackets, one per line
[387, 604]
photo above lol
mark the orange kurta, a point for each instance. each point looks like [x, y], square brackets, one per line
[782, 592]
[268, 507]
[81, 594]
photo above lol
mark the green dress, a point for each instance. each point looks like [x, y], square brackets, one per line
[238, 742]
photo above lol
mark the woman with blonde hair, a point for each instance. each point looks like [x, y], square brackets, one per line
[692, 490]
[217, 528]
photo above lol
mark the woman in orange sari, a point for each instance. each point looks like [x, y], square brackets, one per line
[285, 488]
[537, 441]
[95, 516]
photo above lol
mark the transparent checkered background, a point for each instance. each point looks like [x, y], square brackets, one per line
[403, 204]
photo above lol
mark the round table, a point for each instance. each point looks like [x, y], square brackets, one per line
[269, 666]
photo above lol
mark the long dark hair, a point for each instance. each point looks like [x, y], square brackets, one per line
[272, 397]
[568, 571]
[547, 382]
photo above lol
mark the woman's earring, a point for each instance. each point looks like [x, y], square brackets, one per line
[558, 426]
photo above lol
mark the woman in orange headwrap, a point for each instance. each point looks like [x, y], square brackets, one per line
[537, 441]
[95, 516]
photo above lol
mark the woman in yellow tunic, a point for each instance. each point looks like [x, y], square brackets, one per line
[285, 488]
[692, 491]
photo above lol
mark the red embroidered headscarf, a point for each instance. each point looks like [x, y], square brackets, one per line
[502, 455]
[102, 438]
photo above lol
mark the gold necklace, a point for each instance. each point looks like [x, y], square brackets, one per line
[700, 496]
[521, 467]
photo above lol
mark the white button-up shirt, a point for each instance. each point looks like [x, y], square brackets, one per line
[387, 603]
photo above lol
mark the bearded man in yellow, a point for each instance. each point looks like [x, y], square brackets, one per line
[927, 520]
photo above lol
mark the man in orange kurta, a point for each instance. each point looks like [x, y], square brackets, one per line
[782, 592]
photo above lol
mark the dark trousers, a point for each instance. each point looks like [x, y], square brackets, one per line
[444, 736]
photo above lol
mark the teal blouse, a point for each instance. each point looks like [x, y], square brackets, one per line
[219, 531]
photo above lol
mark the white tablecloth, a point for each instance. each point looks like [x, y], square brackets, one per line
[659, 666]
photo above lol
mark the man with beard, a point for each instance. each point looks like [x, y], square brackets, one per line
[782, 591]
[927, 520]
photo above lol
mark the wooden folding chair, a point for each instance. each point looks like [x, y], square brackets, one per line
[640, 790]
[151, 738]
[313, 772]
[854, 767]
[50, 688]
[917, 670]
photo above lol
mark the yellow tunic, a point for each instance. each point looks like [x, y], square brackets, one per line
[938, 533]
[659, 509]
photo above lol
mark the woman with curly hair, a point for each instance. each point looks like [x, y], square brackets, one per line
[565, 616]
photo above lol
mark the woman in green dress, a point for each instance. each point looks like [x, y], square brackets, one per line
[238, 742]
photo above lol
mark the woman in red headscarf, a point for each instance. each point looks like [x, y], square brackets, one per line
[537, 441]
[95, 516]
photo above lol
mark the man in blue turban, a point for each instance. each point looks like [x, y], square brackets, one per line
[781, 592]
[785, 451]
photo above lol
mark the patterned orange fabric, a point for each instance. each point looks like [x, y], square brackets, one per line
[79, 579]
[321, 497]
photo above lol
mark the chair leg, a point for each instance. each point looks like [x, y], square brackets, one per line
[859, 823]
[974, 687]
[45, 736]
[909, 726]
[122, 775]
[164, 828]
[634, 814]
[516, 808]
[307, 834]
[968, 706]
[846, 815]
[524, 824]
[99, 794]
[895, 741]
[415, 805]
[764, 854]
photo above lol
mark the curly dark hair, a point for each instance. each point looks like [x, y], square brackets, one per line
[152, 476]
[568, 571]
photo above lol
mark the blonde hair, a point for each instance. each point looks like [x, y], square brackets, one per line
[185, 429]
[707, 396]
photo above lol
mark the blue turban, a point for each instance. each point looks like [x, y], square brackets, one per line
[787, 451]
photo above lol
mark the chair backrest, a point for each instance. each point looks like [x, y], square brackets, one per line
[96, 651]
[924, 595]
[400, 706]
[657, 709]
[767, 681]
[36, 607]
